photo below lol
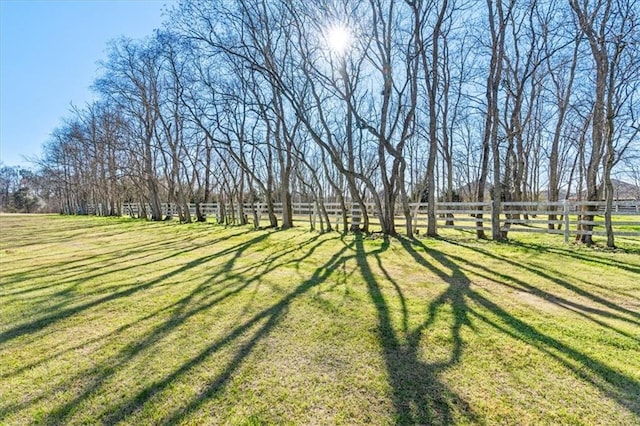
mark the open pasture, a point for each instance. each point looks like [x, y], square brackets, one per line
[121, 321]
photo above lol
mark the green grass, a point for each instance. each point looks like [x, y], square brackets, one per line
[118, 321]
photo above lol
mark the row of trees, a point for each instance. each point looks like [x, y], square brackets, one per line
[381, 101]
[18, 190]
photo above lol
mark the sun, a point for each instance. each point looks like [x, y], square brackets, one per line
[338, 38]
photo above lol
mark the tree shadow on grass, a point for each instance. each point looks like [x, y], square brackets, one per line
[578, 255]
[57, 313]
[256, 328]
[593, 314]
[57, 231]
[616, 311]
[37, 324]
[616, 385]
[75, 263]
[419, 394]
[198, 300]
[65, 296]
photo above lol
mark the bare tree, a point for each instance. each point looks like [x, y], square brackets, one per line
[130, 80]
[610, 28]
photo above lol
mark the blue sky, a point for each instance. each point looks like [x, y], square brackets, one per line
[49, 50]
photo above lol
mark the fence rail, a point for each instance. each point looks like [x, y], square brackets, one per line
[564, 218]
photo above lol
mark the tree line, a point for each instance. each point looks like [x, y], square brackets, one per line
[349, 101]
[18, 190]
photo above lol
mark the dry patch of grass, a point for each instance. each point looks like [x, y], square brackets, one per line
[112, 320]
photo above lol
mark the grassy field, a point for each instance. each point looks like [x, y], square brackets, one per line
[117, 321]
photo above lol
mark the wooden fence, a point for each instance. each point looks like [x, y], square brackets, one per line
[515, 217]
[562, 218]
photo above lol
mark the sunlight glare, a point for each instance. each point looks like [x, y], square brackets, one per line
[338, 39]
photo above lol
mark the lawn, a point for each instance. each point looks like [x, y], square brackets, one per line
[120, 321]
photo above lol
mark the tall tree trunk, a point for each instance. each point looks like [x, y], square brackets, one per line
[597, 42]
[493, 85]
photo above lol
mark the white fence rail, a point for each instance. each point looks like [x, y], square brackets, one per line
[562, 218]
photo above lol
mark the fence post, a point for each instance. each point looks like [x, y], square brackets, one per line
[436, 210]
[313, 214]
[565, 208]
[491, 213]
